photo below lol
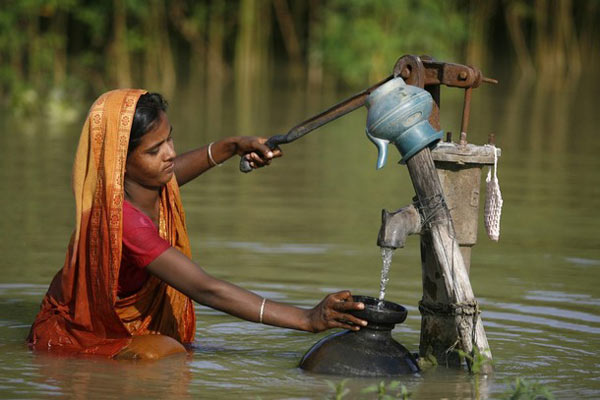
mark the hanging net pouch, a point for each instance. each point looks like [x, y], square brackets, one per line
[493, 201]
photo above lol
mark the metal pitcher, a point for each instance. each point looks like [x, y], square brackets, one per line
[398, 113]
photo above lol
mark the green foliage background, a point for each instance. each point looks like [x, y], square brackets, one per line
[81, 47]
[360, 40]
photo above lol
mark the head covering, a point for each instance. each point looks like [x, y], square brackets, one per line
[81, 312]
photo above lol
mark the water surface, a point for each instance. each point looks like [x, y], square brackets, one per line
[307, 225]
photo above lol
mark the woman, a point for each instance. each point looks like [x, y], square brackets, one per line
[128, 281]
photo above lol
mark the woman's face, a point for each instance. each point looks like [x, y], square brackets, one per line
[151, 163]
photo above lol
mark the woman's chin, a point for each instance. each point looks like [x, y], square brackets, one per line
[159, 182]
[167, 178]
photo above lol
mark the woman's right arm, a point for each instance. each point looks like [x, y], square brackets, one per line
[193, 163]
[177, 270]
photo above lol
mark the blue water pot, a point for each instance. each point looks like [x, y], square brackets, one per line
[398, 113]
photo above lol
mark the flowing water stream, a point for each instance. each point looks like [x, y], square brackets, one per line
[307, 225]
[386, 259]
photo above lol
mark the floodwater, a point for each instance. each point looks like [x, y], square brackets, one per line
[307, 225]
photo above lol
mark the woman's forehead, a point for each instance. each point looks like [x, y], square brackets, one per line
[159, 132]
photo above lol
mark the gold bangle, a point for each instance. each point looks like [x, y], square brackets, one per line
[262, 310]
[211, 160]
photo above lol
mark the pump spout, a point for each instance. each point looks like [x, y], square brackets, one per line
[397, 225]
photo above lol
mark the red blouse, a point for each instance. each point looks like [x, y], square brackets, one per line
[141, 245]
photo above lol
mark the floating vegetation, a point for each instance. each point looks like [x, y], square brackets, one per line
[394, 390]
[339, 389]
[520, 389]
[476, 361]
[524, 389]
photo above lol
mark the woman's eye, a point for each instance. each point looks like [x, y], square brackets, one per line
[153, 152]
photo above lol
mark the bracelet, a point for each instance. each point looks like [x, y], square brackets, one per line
[262, 310]
[211, 160]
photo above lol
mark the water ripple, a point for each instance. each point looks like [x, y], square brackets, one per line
[284, 248]
[583, 261]
[530, 319]
[552, 296]
[551, 311]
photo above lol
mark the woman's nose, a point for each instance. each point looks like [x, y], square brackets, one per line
[170, 151]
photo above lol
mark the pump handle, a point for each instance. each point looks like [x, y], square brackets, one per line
[332, 113]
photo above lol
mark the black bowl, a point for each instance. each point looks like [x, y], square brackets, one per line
[376, 312]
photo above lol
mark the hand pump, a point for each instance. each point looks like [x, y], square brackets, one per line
[404, 110]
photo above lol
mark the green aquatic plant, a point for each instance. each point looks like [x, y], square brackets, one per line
[524, 389]
[428, 361]
[476, 361]
[340, 390]
[520, 389]
[394, 390]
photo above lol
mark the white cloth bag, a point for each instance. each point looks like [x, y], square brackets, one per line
[493, 201]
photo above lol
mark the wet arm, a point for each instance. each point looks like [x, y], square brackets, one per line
[183, 274]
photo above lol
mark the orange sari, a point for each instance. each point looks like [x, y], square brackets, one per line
[81, 312]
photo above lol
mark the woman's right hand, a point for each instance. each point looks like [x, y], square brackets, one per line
[255, 150]
[333, 312]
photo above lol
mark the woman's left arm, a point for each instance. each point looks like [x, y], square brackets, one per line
[184, 275]
[193, 163]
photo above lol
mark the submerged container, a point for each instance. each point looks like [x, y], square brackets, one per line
[371, 351]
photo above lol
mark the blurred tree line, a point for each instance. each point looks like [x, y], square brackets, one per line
[82, 47]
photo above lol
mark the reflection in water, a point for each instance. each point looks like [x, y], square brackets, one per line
[307, 225]
[83, 378]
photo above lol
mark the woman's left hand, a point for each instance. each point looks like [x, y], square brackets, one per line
[333, 312]
[254, 149]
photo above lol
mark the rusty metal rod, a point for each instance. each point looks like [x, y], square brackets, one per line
[489, 80]
[464, 125]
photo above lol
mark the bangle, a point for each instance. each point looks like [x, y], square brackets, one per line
[211, 160]
[262, 310]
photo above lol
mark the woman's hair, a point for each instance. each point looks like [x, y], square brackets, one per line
[147, 113]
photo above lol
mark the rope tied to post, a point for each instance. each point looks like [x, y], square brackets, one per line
[433, 210]
[468, 310]
[451, 309]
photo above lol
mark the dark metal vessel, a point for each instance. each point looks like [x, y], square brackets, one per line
[369, 352]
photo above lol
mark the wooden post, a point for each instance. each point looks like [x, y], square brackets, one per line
[450, 315]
